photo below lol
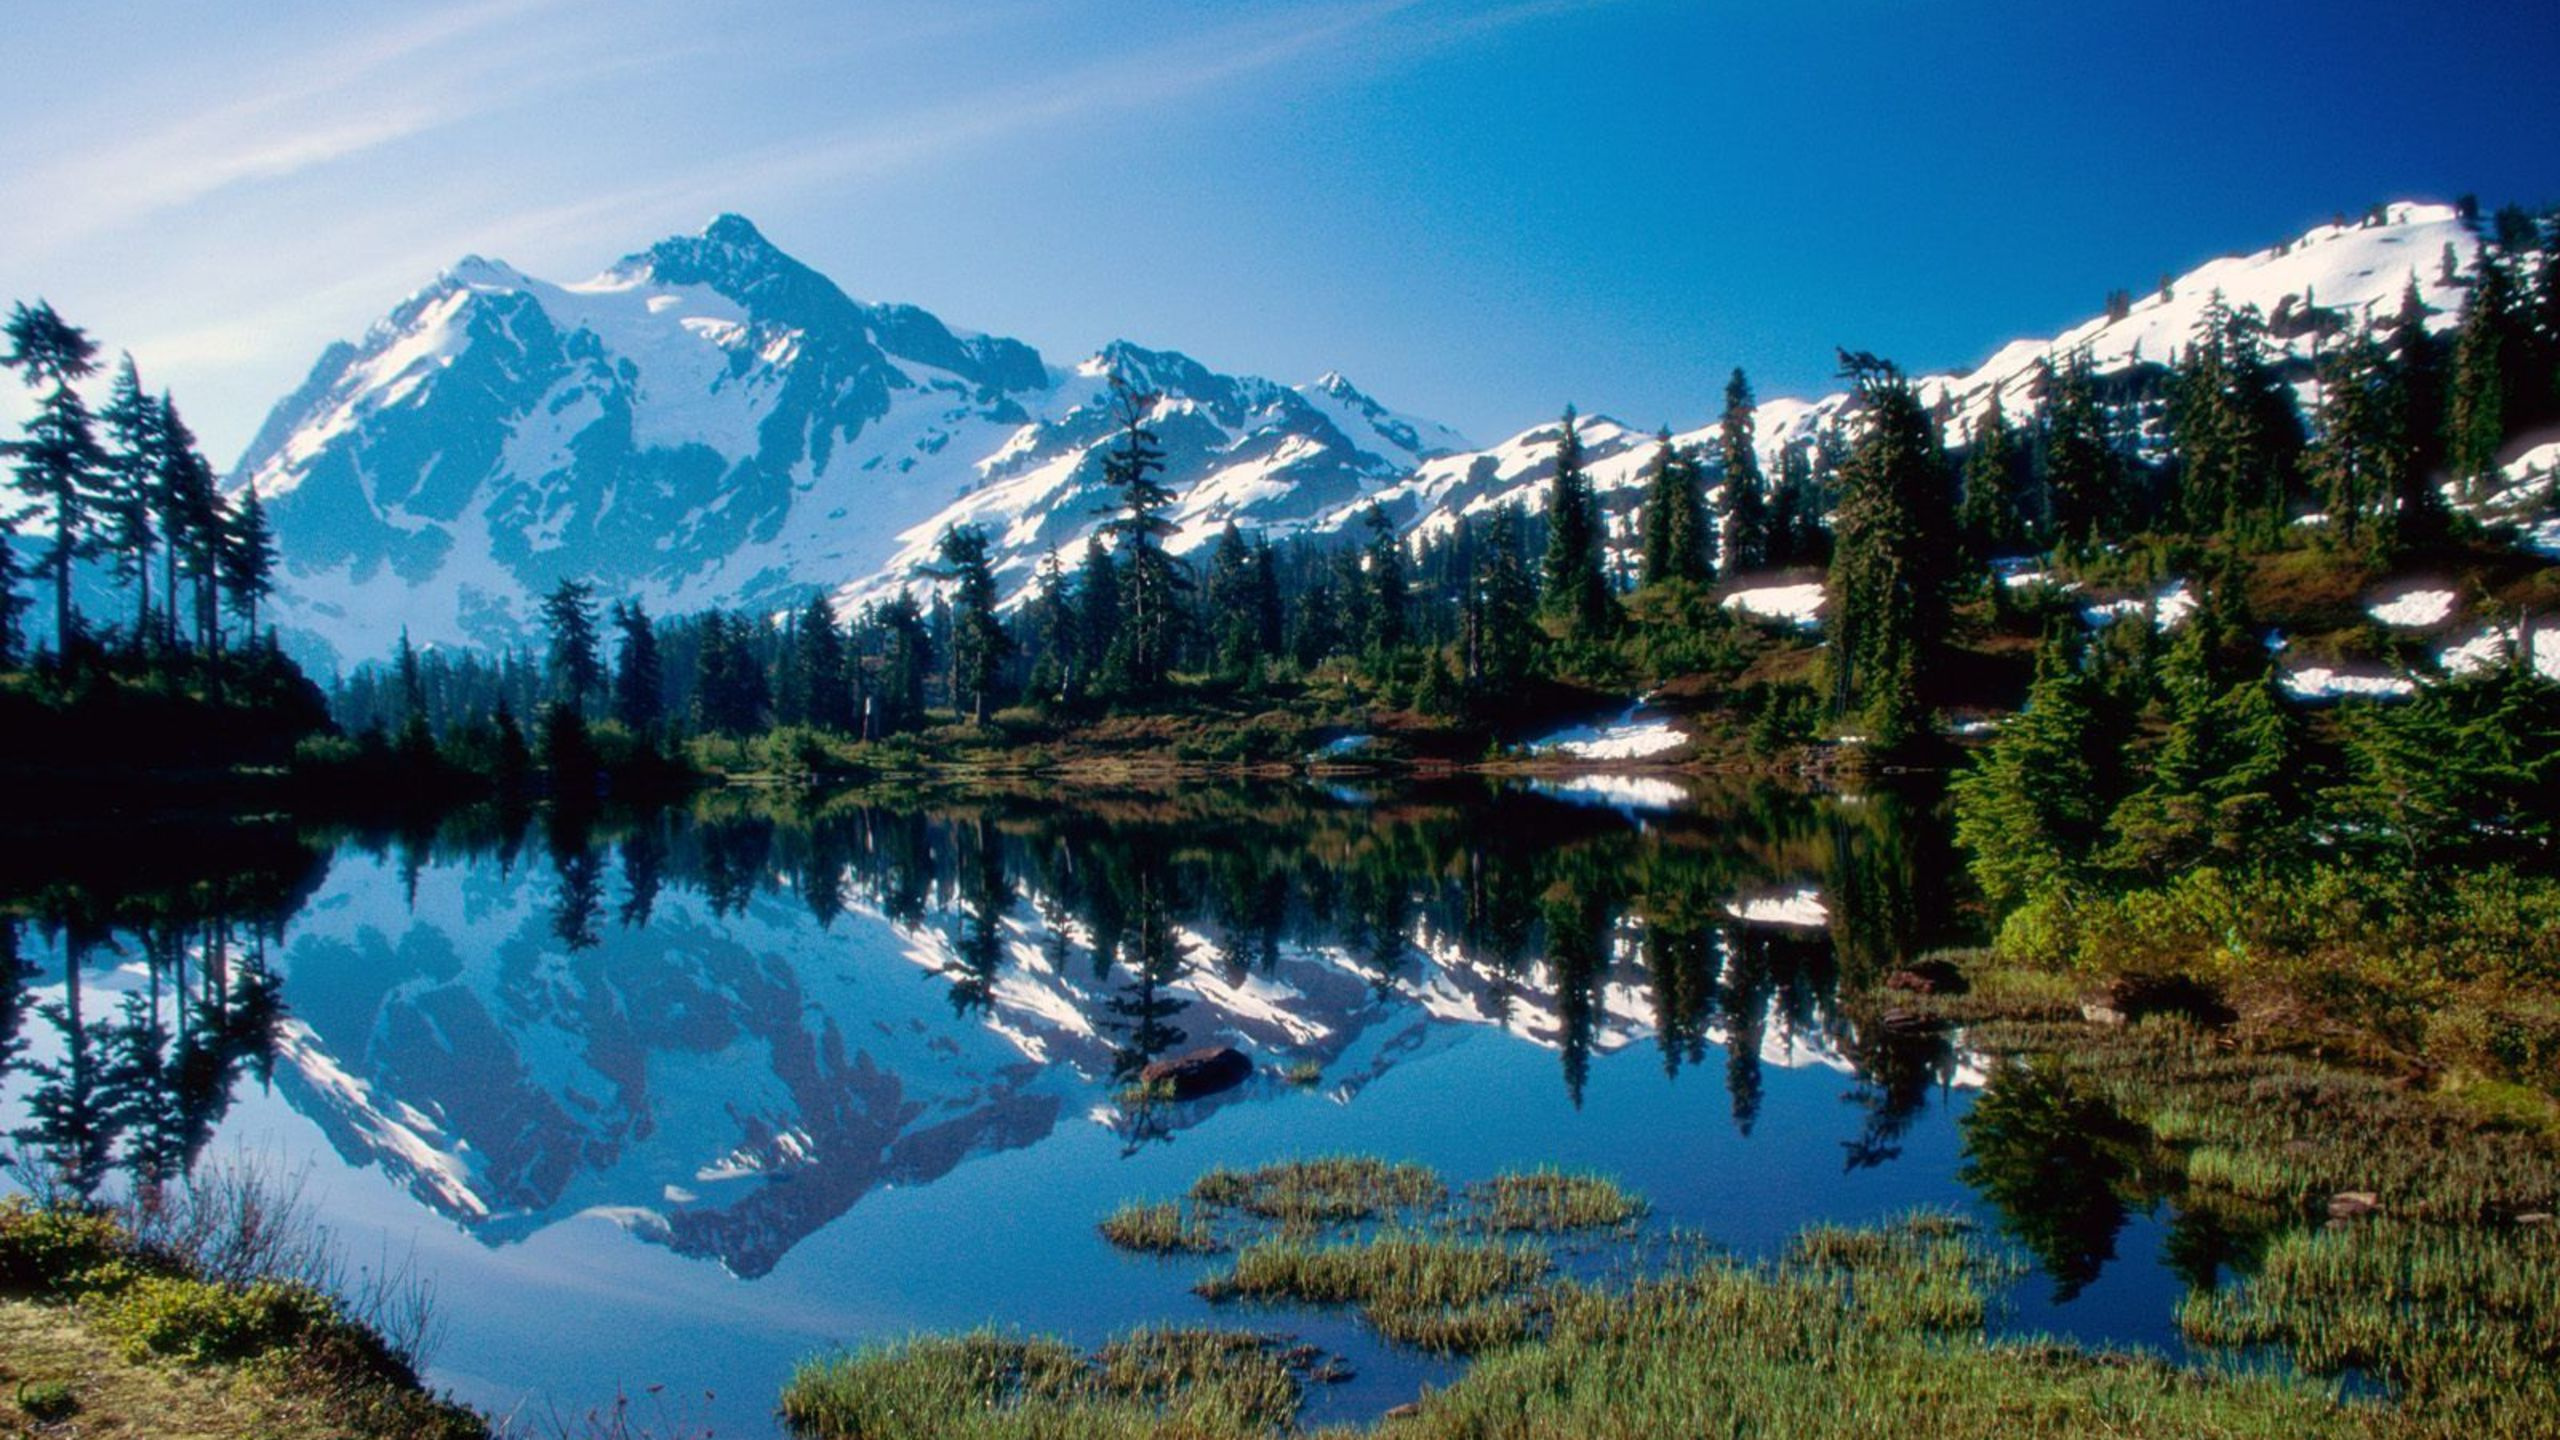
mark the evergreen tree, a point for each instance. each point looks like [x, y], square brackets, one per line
[1270, 616]
[1674, 522]
[1796, 533]
[1574, 588]
[2363, 453]
[2083, 476]
[729, 691]
[1051, 627]
[639, 679]
[1506, 630]
[12, 604]
[2222, 781]
[825, 669]
[1746, 497]
[1388, 591]
[1992, 514]
[1232, 619]
[575, 668]
[60, 462]
[1098, 613]
[2237, 435]
[1888, 602]
[2029, 811]
[979, 644]
[1142, 655]
[187, 501]
[2478, 400]
[248, 560]
[132, 422]
[906, 658]
[2417, 366]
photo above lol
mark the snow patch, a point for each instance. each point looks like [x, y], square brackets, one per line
[1799, 604]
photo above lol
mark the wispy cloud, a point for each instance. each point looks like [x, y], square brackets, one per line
[306, 110]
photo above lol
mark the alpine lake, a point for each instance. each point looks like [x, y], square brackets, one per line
[661, 1104]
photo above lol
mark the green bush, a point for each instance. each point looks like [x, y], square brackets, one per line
[202, 1322]
[60, 1251]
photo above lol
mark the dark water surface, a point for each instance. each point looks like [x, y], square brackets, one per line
[677, 1101]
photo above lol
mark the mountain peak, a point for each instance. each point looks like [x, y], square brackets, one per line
[735, 231]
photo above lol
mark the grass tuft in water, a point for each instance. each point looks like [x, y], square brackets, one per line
[1326, 1190]
[1438, 1294]
[1549, 1201]
[987, 1385]
[1159, 1228]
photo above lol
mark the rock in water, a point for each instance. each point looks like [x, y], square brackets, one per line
[1195, 1073]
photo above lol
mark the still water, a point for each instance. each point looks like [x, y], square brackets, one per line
[674, 1101]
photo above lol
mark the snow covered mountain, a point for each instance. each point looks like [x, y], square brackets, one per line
[710, 422]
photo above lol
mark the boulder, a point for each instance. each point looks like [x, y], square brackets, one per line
[1195, 1073]
[1928, 977]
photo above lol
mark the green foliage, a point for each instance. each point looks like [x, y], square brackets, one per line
[205, 1323]
[1674, 520]
[47, 1402]
[1889, 590]
[1573, 588]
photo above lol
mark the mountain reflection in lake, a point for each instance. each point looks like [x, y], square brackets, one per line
[722, 1087]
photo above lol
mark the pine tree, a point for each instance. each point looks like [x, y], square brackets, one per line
[1270, 615]
[248, 560]
[575, 667]
[1051, 620]
[979, 644]
[1991, 516]
[906, 659]
[60, 462]
[639, 677]
[2476, 407]
[729, 691]
[1746, 497]
[825, 669]
[12, 604]
[1230, 604]
[2418, 514]
[1574, 588]
[2363, 453]
[1143, 653]
[2234, 427]
[2028, 814]
[1506, 633]
[1098, 613]
[1888, 593]
[2083, 477]
[132, 422]
[187, 501]
[1383, 565]
[1674, 520]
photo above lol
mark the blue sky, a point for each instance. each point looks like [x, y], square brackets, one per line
[1477, 211]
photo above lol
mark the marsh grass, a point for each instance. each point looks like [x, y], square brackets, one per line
[1549, 1201]
[1160, 1228]
[1847, 1335]
[1438, 1294]
[2443, 1296]
[986, 1385]
[1326, 1190]
[2458, 1318]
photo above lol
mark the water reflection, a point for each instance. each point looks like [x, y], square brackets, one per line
[727, 1026]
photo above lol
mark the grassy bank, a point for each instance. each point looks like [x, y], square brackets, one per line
[195, 1329]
